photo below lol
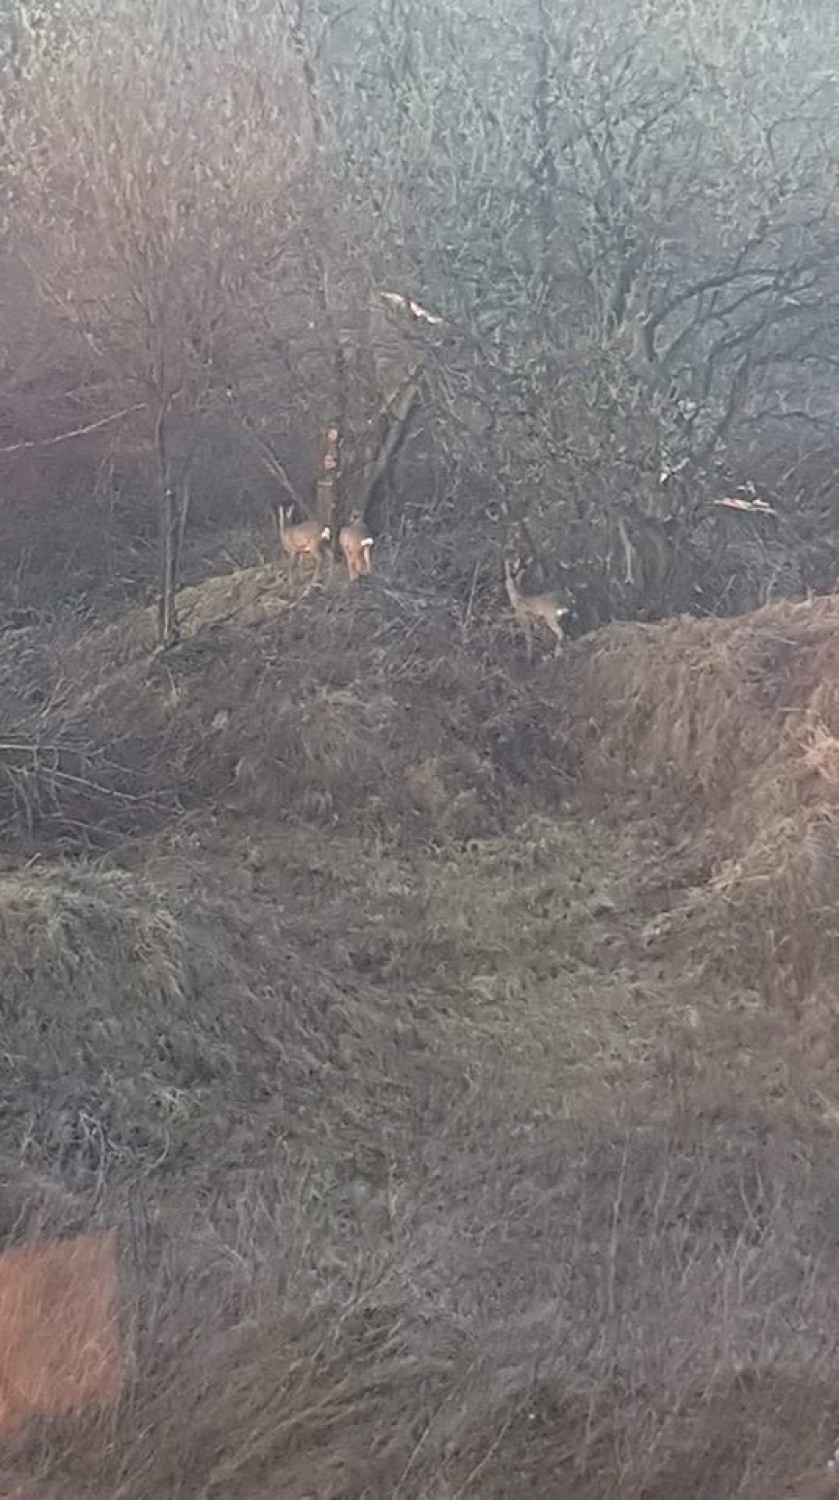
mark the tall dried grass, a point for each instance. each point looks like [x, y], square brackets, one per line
[361, 709]
[731, 729]
[59, 1339]
[642, 1317]
[439, 1174]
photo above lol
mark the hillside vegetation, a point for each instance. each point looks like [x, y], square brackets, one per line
[451, 1043]
[446, 1041]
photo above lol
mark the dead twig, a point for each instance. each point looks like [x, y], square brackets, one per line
[64, 437]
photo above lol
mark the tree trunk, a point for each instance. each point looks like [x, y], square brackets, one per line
[395, 418]
[167, 621]
[328, 488]
[180, 532]
[167, 624]
[544, 172]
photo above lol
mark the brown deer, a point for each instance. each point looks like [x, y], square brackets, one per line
[532, 608]
[356, 544]
[302, 539]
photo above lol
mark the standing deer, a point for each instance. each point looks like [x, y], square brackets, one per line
[357, 545]
[530, 608]
[303, 539]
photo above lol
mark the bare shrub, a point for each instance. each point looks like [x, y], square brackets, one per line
[626, 229]
[153, 170]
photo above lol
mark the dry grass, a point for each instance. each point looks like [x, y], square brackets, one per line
[364, 708]
[58, 1310]
[740, 714]
[141, 1019]
[640, 1317]
[460, 1136]
[731, 727]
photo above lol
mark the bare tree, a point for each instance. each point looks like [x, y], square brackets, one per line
[338, 371]
[626, 225]
[629, 221]
[154, 161]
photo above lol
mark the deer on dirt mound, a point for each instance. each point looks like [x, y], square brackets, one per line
[532, 609]
[356, 544]
[302, 539]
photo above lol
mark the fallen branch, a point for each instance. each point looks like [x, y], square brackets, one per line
[734, 502]
[406, 304]
[628, 552]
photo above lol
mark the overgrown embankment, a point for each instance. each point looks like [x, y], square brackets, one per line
[423, 1023]
[730, 730]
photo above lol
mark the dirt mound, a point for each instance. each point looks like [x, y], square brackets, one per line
[732, 728]
[740, 716]
[177, 1024]
[357, 707]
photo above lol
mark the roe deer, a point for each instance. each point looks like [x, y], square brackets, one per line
[530, 608]
[303, 539]
[357, 545]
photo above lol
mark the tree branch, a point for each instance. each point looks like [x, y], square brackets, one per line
[64, 437]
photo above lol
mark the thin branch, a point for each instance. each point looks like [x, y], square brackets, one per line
[64, 437]
[399, 411]
[269, 458]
